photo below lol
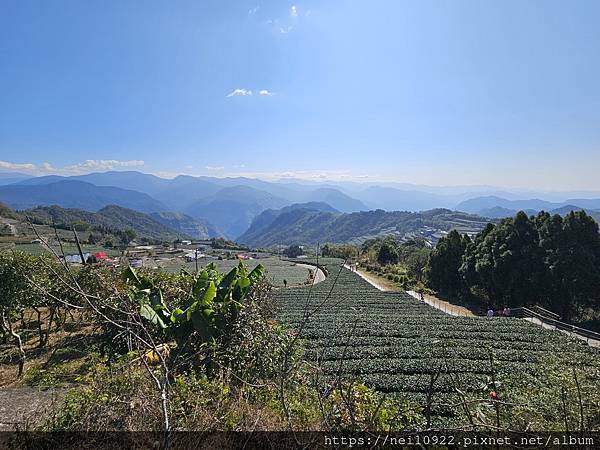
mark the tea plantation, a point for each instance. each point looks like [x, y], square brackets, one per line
[394, 343]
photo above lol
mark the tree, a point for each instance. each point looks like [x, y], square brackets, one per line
[505, 262]
[339, 251]
[416, 262]
[293, 251]
[388, 254]
[571, 256]
[25, 282]
[126, 236]
[444, 263]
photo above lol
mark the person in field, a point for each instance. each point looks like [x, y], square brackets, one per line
[284, 283]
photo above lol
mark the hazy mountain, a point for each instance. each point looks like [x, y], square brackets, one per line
[393, 199]
[76, 194]
[232, 209]
[308, 226]
[498, 207]
[476, 205]
[196, 228]
[585, 203]
[498, 212]
[12, 177]
[184, 190]
[223, 202]
[335, 198]
[112, 217]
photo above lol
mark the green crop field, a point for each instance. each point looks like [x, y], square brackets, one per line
[277, 270]
[394, 344]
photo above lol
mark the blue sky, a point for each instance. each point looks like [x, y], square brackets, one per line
[435, 92]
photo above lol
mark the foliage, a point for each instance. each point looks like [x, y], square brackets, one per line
[206, 314]
[544, 260]
[293, 251]
[444, 263]
[341, 251]
[387, 254]
[221, 243]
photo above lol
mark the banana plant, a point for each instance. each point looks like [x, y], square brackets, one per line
[211, 305]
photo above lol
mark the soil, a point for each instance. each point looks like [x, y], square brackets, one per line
[23, 407]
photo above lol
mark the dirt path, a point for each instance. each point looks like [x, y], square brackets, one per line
[319, 275]
[22, 406]
[431, 300]
[442, 305]
[379, 284]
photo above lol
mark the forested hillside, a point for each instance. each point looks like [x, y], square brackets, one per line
[309, 226]
[110, 217]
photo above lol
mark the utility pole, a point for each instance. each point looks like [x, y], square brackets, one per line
[78, 246]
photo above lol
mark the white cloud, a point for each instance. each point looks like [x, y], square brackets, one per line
[266, 93]
[285, 30]
[15, 166]
[87, 166]
[254, 10]
[240, 93]
[294, 11]
[214, 168]
[103, 164]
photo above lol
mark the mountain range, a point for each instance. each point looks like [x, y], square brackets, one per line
[310, 224]
[229, 206]
[496, 207]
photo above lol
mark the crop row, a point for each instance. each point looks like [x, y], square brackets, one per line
[394, 366]
[426, 354]
[394, 343]
[422, 343]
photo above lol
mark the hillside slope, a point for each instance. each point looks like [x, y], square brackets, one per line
[186, 225]
[232, 209]
[112, 217]
[307, 226]
[77, 194]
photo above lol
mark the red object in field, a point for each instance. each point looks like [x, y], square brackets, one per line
[101, 255]
[493, 395]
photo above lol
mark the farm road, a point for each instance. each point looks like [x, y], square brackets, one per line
[435, 302]
[319, 276]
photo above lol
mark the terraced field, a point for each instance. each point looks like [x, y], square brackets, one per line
[394, 343]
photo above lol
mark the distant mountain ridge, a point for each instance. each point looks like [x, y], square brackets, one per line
[231, 204]
[496, 207]
[76, 194]
[310, 226]
[475, 205]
